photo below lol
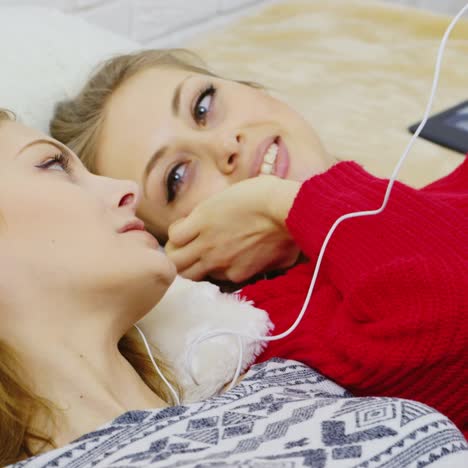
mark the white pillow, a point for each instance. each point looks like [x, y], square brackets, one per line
[46, 56]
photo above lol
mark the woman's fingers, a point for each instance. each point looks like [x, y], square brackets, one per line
[183, 257]
[183, 231]
[196, 272]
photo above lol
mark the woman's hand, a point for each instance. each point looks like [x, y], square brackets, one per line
[237, 233]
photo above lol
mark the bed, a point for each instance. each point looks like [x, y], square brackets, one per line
[360, 71]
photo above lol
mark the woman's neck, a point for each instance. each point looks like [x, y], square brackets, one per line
[95, 392]
[80, 370]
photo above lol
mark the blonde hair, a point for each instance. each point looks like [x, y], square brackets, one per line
[6, 114]
[77, 122]
[20, 406]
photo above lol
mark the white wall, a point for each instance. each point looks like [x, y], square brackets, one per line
[168, 22]
[152, 21]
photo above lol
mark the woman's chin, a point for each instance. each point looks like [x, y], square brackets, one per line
[165, 269]
[151, 288]
[149, 277]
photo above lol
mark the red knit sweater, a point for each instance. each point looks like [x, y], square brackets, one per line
[388, 315]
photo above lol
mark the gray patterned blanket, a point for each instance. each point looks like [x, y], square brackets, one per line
[282, 414]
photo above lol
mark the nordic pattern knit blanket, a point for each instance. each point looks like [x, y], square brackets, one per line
[359, 70]
[282, 415]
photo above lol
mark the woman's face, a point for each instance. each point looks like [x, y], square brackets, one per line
[67, 228]
[185, 136]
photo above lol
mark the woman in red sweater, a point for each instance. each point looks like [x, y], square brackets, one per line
[388, 315]
[239, 184]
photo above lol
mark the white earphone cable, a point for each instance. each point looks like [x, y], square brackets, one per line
[357, 214]
[158, 371]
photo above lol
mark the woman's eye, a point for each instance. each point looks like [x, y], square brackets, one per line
[55, 166]
[60, 162]
[203, 105]
[174, 180]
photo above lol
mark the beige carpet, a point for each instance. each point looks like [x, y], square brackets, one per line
[359, 70]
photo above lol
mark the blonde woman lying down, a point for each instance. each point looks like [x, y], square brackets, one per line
[76, 387]
[238, 183]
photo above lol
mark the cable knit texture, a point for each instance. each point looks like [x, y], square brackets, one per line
[388, 315]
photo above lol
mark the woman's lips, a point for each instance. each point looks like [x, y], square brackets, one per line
[282, 162]
[134, 225]
[138, 226]
[262, 148]
[281, 165]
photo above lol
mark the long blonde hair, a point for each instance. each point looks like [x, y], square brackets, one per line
[77, 122]
[6, 115]
[19, 405]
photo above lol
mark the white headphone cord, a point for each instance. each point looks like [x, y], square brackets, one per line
[158, 371]
[357, 214]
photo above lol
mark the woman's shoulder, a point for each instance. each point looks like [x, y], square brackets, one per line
[455, 181]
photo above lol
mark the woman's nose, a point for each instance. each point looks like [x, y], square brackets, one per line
[116, 193]
[228, 152]
[128, 195]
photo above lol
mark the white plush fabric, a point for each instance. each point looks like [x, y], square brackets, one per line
[45, 57]
[191, 309]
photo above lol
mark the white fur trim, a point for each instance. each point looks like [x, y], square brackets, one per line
[190, 309]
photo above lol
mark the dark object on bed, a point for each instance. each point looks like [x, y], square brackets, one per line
[448, 128]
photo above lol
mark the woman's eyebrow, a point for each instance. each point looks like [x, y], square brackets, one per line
[45, 141]
[176, 97]
[158, 154]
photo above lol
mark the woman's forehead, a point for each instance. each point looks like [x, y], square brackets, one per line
[156, 80]
[137, 117]
[14, 136]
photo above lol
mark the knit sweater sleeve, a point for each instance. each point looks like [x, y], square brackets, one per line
[454, 183]
[413, 223]
[388, 314]
[401, 331]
